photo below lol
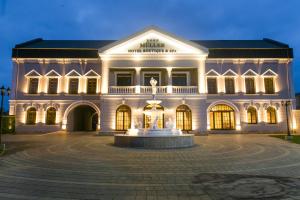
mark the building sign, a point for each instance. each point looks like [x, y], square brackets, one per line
[152, 46]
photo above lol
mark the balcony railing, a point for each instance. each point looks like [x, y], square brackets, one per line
[148, 89]
[122, 89]
[184, 89]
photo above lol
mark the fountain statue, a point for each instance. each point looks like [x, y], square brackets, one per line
[168, 137]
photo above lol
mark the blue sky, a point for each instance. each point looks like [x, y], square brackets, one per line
[102, 19]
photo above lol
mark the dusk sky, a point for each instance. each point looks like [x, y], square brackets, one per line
[191, 19]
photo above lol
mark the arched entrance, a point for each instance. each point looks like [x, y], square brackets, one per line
[222, 117]
[81, 116]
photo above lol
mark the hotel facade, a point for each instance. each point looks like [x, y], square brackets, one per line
[206, 86]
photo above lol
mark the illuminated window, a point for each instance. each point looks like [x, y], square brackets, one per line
[184, 118]
[31, 116]
[91, 85]
[52, 86]
[148, 120]
[148, 76]
[124, 79]
[33, 85]
[179, 79]
[73, 85]
[269, 85]
[271, 115]
[229, 85]
[50, 116]
[252, 115]
[250, 85]
[123, 118]
[212, 86]
[222, 117]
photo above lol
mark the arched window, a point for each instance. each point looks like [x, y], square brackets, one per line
[123, 118]
[252, 115]
[31, 116]
[271, 115]
[51, 116]
[222, 117]
[147, 117]
[183, 118]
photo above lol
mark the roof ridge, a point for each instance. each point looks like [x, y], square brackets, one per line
[28, 42]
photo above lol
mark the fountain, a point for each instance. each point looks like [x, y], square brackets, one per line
[154, 137]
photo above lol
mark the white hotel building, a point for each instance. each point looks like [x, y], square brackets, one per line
[206, 86]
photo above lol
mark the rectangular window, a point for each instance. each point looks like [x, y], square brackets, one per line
[91, 85]
[52, 86]
[250, 85]
[124, 79]
[147, 78]
[212, 86]
[73, 86]
[33, 85]
[229, 85]
[179, 79]
[269, 85]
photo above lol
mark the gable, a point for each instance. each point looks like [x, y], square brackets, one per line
[53, 73]
[212, 73]
[33, 73]
[73, 73]
[230, 73]
[152, 40]
[91, 73]
[269, 72]
[250, 72]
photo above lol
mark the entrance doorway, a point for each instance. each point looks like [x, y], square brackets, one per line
[83, 118]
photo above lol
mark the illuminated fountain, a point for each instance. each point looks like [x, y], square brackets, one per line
[154, 137]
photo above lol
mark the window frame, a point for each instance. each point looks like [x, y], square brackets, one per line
[33, 122]
[189, 121]
[188, 78]
[159, 83]
[124, 125]
[47, 116]
[123, 72]
[251, 121]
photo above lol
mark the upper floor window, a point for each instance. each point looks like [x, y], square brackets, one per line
[73, 85]
[52, 85]
[179, 79]
[148, 76]
[33, 85]
[124, 79]
[269, 85]
[250, 85]
[91, 85]
[229, 86]
[212, 86]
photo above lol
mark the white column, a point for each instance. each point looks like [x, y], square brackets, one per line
[169, 86]
[104, 77]
[137, 80]
[201, 76]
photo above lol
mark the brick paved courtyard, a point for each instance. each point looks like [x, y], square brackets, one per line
[84, 166]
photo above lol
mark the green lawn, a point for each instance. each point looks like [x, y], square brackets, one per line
[296, 138]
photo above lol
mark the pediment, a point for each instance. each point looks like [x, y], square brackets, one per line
[33, 73]
[92, 73]
[212, 73]
[230, 73]
[250, 72]
[269, 72]
[73, 73]
[153, 40]
[53, 73]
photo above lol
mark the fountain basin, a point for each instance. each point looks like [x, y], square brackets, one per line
[154, 141]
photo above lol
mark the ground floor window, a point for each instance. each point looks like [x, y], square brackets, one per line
[31, 116]
[222, 117]
[147, 117]
[123, 118]
[252, 115]
[183, 118]
[271, 115]
[51, 116]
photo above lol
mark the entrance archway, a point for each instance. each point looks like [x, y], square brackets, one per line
[81, 116]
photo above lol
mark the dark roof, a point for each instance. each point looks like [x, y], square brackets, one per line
[39, 48]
